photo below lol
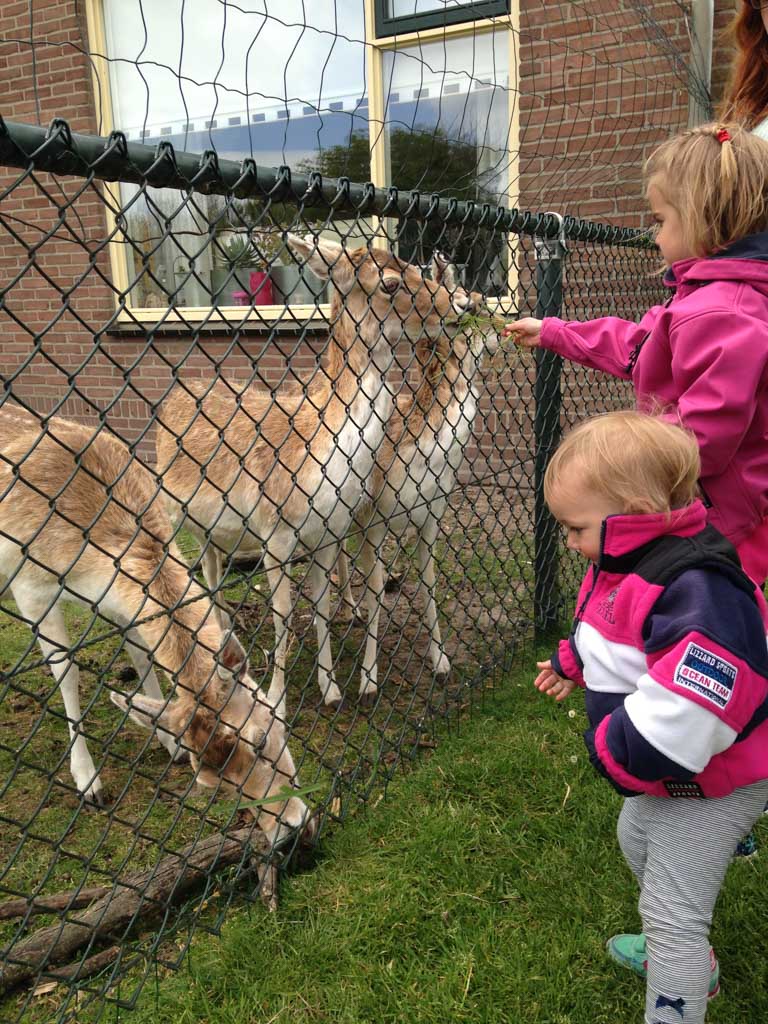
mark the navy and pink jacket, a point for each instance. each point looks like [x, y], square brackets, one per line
[670, 642]
[703, 359]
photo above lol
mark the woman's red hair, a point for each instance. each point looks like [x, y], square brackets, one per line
[746, 96]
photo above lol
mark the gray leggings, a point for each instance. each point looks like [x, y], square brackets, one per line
[679, 850]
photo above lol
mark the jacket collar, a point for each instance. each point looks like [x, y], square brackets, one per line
[625, 533]
[746, 259]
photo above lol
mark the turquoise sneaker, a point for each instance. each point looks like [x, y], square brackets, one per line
[747, 847]
[629, 951]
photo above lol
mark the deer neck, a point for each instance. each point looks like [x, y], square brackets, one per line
[355, 366]
[173, 617]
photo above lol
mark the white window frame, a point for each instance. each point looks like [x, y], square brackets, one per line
[292, 315]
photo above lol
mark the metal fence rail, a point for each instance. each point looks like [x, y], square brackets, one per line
[175, 489]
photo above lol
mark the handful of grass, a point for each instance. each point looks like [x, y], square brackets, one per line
[480, 323]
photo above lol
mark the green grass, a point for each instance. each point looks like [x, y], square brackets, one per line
[481, 890]
[49, 844]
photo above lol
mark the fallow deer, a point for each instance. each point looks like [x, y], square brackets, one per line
[415, 471]
[82, 521]
[286, 469]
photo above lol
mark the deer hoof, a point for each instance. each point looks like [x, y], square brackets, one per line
[394, 582]
[97, 801]
[442, 668]
[367, 699]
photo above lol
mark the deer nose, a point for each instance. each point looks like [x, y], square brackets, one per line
[465, 303]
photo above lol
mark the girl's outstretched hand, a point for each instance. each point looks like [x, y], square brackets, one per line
[525, 332]
[548, 681]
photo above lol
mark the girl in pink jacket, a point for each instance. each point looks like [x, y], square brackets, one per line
[702, 358]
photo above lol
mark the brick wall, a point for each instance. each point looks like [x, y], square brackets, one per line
[602, 84]
[598, 89]
[722, 51]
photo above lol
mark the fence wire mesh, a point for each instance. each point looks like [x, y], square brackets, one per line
[285, 549]
[323, 541]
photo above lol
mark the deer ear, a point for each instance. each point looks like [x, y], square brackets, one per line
[147, 712]
[233, 658]
[320, 254]
[443, 271]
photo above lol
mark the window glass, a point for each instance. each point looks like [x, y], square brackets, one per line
[403, 8]
[256, 81]
[447, 124]
[396, 16]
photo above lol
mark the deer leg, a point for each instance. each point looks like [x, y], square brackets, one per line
[213, 570]
[427, 537]
[346, 611]
[48, 625]
[139, 656]
[372, 568]
[349, 609]
[280, 596]
[319, 579]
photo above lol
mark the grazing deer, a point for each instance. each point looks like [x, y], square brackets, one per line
[286, 469]
[82, 521]
[415, 472]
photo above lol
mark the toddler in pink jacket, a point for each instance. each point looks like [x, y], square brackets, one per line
[669, 643]
[702, 358]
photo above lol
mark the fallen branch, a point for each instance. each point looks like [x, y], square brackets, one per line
[144, 893]
[74, 900]
[76, 972]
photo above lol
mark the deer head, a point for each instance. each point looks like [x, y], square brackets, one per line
[235, 740]
[478, 341]
[384, 297]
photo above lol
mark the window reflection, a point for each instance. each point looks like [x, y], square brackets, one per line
[196, 74]
[447, 125]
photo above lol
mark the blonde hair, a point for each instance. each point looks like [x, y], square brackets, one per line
[719, 189]
[642, 463]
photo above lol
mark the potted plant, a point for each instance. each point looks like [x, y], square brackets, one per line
[241, 269]
[294, 284]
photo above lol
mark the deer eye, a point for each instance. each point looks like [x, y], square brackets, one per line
[390, 284]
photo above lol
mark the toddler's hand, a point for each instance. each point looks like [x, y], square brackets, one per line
[548, 681]
[525, 332]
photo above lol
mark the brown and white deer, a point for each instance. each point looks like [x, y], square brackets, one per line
[416, 469]
[286, 469]
[82, 521]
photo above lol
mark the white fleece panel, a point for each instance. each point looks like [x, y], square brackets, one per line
[682, 730]
[608, 667]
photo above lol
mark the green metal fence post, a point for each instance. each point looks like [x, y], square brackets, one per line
[546, 427]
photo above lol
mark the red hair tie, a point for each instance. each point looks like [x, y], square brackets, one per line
[723, 136]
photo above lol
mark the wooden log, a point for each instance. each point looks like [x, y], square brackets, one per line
[76, 972]
[131, 899]
[74, 900]
[94, 964]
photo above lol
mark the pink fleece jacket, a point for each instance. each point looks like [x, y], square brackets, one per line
[703, 359]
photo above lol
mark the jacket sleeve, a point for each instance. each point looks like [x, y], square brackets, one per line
[605, 344]
[567, 663]
[566, 660]
[718, 365]
[706, 675]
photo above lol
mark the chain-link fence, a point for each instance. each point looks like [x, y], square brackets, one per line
[287, 536]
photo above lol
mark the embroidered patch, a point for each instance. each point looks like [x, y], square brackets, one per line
[689, 790]
[706, 674]
[605, 607]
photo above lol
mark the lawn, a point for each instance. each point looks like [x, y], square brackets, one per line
[481, 889]
[49, 843]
